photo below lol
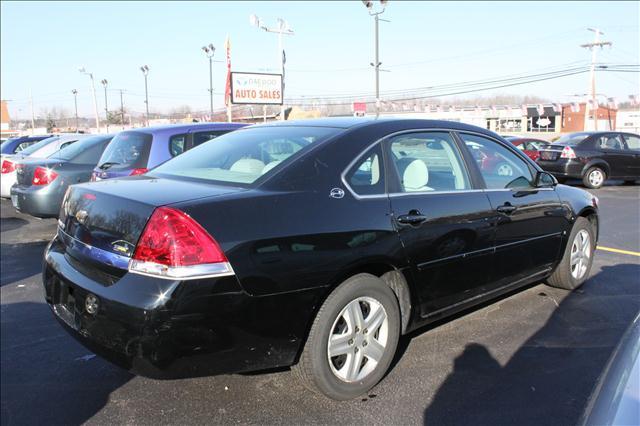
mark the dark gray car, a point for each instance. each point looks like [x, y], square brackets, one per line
[42, 182]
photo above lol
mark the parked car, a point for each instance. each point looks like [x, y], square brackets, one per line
[593, 157]
[15, 145]
[41, 149]
[529, 146]
[42, 182]
[134, 152]
[307, 243]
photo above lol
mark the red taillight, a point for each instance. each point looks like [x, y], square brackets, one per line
[136, 172]
[173, 245]
[567, 152]
[43, 176]
[8, 166]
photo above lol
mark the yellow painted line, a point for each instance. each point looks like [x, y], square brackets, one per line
[614, 250]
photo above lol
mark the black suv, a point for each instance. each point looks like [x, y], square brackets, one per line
[593, 157]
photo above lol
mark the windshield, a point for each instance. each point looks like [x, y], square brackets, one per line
[127, 150]
[244, 155]
[36, 146]
[573, 138]
[70, 151]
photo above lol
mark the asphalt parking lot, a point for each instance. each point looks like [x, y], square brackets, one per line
[531, 358]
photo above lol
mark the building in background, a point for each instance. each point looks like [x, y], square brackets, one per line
[5, 120]
[573, 119]
[628, 120]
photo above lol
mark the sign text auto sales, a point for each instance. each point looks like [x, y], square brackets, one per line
[256, 88]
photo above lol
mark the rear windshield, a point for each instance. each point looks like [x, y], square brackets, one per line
[127, 150]
[75, 149]
[36, 146]
[241, 157]
[572, 139]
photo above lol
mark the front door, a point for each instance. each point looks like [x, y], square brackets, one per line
[632, 160]
[528, 220]
[443, 222]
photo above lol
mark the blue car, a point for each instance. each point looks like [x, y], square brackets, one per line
[134, 152]
[14, 145]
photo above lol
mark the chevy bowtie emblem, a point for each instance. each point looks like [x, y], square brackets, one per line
[336, 193]
[81, 216]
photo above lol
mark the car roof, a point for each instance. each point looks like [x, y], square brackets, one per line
[188, 126]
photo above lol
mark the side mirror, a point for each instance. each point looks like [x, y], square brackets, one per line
[545, 180]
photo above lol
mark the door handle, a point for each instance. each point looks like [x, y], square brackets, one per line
[413, 218]
[506, 208]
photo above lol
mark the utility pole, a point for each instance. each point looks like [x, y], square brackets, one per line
[376, 65]
[75, 103]
[106, 108]
[121, 110]
[33, 119]
[592, 47]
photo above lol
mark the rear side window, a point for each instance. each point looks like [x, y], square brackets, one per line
[177, 144]
[366, 177]
[127, 150]
[202, 137]
[499, 167]
[36, 146]
[633, 142]
[24, 145]
[428, 162]
[74, 150]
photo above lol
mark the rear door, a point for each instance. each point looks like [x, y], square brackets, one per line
[528, 220]
[443, 219]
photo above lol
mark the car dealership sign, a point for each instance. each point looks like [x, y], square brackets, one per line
[256, 88]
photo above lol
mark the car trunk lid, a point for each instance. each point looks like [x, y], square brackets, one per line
[25, 170]
[101, 222]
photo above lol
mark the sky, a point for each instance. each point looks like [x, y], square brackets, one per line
[43, 44]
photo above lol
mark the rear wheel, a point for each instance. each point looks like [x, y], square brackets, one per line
[352, 340]
[574, 268]
[594, 178]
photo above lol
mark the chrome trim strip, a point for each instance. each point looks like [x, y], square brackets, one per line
[192, 272]
[101, 255]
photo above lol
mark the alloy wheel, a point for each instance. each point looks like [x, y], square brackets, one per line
[596, 178]
[580, 254]
[358, 339]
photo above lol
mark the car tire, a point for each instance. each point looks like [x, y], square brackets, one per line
[594, 178]
[333, 376]
[570, 276]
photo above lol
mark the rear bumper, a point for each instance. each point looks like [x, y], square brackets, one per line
[562, 167]
[37, 201]
[172, 329]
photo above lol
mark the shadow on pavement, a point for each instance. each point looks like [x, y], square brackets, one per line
[20, 261]
[48, 378]
[11, 223]
[549, 379]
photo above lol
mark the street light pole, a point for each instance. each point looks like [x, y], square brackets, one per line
[376, 65]
[209, 51]
[145, 71]
[95, 100]
[106, 108]
[282, 29]
[75, 102]
[121, 110]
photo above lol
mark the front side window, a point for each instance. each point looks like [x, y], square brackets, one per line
[202, 137]
[633, 142]
[177, 144]
[610, 142]
[499, 167]
[366, 176]
[428, 161]
[241, 157]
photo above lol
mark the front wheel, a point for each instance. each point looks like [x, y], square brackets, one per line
[594, 178]
[573, 270]
[352, 340]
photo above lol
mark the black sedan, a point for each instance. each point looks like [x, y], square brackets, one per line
[312, 244]
[593, 157]
[42, 182]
